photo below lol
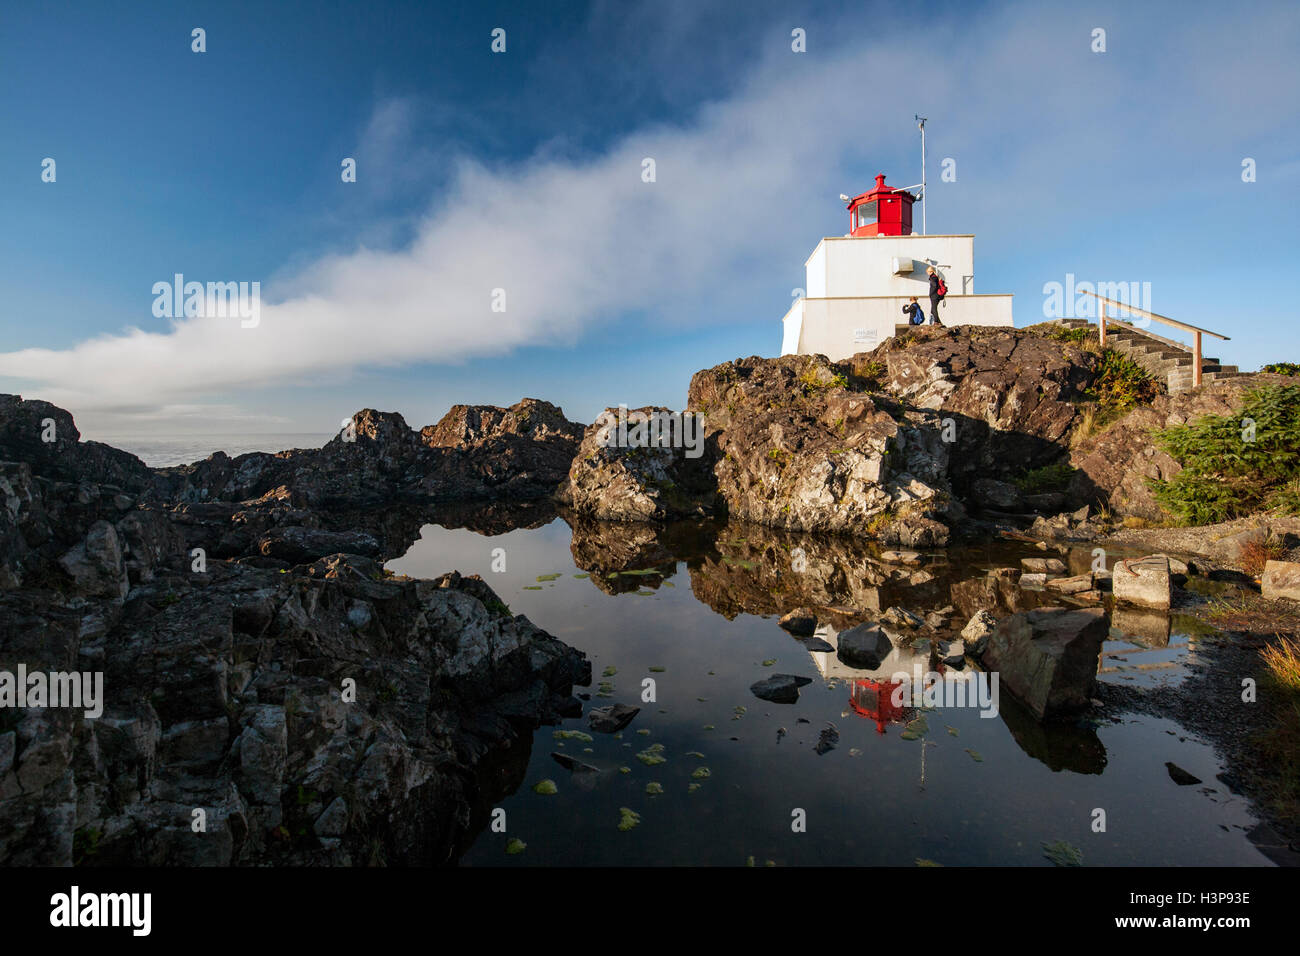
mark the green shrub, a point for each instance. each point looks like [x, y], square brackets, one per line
[1282, 368]
[1121, 384]
[1048, 478]
[1235, 465]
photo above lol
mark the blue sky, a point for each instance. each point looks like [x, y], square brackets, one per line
[522, 171]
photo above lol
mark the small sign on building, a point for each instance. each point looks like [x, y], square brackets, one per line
[869, 338]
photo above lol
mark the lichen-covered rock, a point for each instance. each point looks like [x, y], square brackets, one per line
[640, 480]
[800, 445]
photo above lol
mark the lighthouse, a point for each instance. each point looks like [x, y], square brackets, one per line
[858, 283]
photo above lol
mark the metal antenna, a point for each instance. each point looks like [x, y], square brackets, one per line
[921, 126]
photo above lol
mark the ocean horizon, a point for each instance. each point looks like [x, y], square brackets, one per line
[165, 451]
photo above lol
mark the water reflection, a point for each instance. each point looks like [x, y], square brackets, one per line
[692, 608]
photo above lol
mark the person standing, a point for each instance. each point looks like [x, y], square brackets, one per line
[937, 291]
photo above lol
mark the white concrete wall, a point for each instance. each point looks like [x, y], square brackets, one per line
[840, 327]
[854, 267]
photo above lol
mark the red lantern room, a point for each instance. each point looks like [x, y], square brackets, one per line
[884, 211]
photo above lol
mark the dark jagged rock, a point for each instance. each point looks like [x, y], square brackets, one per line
[305, 706]
[779, 688]
[611, 719]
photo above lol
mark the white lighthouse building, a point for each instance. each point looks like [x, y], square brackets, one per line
[858, 284]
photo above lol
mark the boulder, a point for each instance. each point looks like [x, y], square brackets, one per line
[1143, 582]
[1281, 580]
[801, 622]
[977, 630]
[779, 688]
[900, 557]
[865, 646]
[1074, 585]
[611, 719]
[1043, 565]
[997, 495]
[1037, 580]
[1047, 658]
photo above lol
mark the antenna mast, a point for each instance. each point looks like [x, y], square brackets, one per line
[921, 126]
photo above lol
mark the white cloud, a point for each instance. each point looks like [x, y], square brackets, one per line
[744, 186]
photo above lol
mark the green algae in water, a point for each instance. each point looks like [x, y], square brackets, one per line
[543, 578]
[643, 593]
[769, 662]
[653, 788]
[696, 754]
[702, 773]
[951, 730]
[1062, 854]
[609, 671]
[693, 787]
[516, 845]
[653, 755]
[922, 861]
[643, 732]
[572, 735]
[975, 755]
[657, 670]
[546, 788]
[628, 818]
[532, 587]
[707, 727]
[916, 729]
[624, 769]
[581, 576]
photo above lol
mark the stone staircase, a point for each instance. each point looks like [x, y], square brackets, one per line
[1169, 361]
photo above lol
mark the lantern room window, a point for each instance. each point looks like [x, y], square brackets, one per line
[866, 213]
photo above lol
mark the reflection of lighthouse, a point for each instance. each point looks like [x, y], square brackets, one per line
[857, 283]
[874, 700]
[871, 691]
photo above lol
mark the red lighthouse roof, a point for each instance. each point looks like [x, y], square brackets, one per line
[883, 211]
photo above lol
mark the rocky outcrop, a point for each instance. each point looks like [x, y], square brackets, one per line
[289, 703]
[1013, 396]
[638, 480]
[475, 452]
[798, 445]
[1117, 466]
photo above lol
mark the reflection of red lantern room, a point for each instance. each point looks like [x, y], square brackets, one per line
[874, 700]
[884, 211]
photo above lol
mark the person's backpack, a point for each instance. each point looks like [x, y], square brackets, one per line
[942, 289]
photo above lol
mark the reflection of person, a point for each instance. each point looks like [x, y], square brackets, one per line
[937, 291]
[913, 312]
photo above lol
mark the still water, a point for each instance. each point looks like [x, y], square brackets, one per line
[739, 774]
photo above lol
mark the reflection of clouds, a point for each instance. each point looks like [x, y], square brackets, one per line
[529, 552]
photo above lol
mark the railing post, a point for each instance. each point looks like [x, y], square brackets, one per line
[1101, 321]
[1196, 360]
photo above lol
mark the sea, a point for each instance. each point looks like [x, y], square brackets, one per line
[163, 452]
